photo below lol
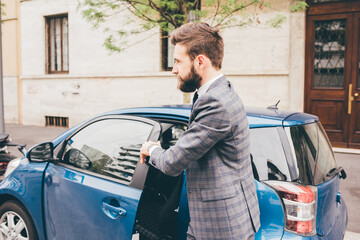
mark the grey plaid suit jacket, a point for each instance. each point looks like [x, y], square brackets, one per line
[215, 153]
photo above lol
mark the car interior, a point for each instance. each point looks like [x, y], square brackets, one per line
[158, 207]
[157, 211]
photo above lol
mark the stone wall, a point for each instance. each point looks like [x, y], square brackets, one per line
[264, 64]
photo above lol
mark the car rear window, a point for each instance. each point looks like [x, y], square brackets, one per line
[267, 155]
[312, 151]
[309, 154]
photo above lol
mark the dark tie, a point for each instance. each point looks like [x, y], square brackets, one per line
[196, 95]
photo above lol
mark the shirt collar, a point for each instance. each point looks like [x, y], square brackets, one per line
[203, 89]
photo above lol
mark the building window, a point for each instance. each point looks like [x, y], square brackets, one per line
[167, 49]
[167, 52]
[57, 44]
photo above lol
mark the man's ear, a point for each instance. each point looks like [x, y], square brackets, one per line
[202, 61]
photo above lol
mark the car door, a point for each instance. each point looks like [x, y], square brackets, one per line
[93, 191]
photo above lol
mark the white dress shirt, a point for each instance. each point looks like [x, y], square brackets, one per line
[203, 89]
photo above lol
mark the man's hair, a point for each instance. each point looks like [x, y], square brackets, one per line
[200, 38]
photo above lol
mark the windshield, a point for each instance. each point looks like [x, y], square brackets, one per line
[312, 151]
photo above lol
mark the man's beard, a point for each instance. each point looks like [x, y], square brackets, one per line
[190, 82]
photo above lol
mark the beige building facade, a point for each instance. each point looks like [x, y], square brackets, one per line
[11, 61]
[264, 65]
[56, 69]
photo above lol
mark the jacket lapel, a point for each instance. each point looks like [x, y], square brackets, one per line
[221, 82]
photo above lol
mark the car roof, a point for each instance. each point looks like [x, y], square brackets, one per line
[257, 117]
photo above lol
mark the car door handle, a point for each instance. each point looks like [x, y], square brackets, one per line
[113, 211]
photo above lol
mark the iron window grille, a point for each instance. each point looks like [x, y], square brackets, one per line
[57, 34]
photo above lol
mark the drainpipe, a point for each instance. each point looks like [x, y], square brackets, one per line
[1, 83]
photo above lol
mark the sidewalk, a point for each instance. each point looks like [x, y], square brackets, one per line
[349, 188]
[31, 135]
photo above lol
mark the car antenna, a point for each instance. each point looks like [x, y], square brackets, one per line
[274, 106]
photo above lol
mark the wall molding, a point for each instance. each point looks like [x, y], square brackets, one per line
[266, 73]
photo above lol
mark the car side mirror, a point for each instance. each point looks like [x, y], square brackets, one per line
[343, 174]
[42, 152]
[78, 159]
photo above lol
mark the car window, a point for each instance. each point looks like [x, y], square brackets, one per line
[312, 151]
[171, 134]
[268, 154]
[109, 147]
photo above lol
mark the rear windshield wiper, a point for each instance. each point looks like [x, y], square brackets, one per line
[335, 171]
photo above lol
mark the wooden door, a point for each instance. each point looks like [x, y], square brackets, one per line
[332, 70]
[354, 92]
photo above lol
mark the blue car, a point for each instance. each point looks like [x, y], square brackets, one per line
[88, 182]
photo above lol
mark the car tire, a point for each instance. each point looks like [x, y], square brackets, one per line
[15, 222]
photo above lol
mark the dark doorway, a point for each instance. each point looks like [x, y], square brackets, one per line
[332, 66]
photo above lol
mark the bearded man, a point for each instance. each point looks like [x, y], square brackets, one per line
[214, 150]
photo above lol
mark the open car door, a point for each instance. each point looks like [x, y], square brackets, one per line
[94, 190]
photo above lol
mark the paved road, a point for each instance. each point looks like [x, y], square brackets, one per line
[350, 187]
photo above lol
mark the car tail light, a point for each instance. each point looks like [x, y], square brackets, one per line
[300, 206]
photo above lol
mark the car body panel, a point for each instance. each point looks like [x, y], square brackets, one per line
[272, 219]
[299, 119]
[71, 198]
[25, 185]
[183, 217]
[330, 224]
[291, 236]
[327, 199]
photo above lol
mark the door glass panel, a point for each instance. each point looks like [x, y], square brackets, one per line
[268, 155]
[312, 151]
[65, 47]
[52, 45]
[57, 37]
[329, 54]
[108, 147]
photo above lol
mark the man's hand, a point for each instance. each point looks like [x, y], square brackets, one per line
[144, 150]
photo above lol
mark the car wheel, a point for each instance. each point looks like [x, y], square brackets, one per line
[15, 222]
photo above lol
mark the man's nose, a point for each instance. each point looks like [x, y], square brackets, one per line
[174, 70]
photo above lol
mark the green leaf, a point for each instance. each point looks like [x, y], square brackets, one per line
[168, 14]
[276, 21]
[2, 7]
[109, 44]
[209, 2]
[299, 6]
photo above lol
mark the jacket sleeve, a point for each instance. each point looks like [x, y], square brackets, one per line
[210, 125]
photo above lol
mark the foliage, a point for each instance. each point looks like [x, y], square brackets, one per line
[2, 7]
[299, 6]
[167, 15]
[276, 21]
